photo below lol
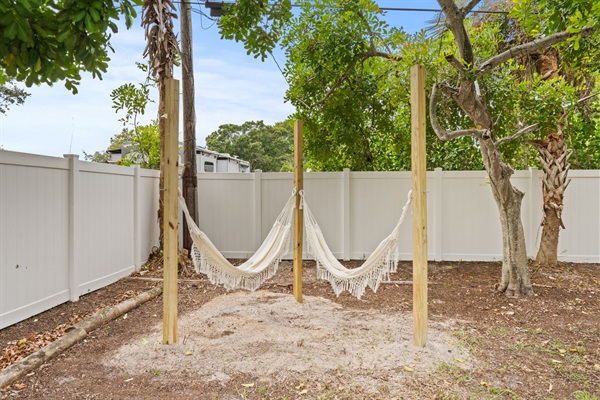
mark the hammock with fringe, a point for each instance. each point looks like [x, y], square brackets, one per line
[375, 269]
[257, 269]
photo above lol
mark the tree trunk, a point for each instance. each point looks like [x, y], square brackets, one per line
[554, 157]
[189, 178]
[515, 270]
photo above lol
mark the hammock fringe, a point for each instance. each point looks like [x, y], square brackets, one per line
[205, 264]
[251, 274]
[376, 268]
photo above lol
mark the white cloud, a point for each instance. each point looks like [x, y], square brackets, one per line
[231, 87]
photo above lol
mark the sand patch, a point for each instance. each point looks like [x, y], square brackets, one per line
[271, 336]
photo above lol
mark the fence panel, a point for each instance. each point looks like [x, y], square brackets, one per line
[33, 235]
[68, 227]
[580, 241]
[105, 225]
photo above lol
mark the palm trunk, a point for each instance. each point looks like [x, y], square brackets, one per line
[555, 164]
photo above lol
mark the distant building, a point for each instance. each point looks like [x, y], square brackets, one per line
[211, 161]
[206, 160]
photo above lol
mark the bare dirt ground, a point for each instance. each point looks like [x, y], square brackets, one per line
[264, 345]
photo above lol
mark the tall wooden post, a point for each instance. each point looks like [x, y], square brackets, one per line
[170, 211]
[419, 202]
[298, 213]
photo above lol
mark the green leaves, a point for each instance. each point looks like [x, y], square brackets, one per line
[259, 25]
[266, 147]
[48, 41]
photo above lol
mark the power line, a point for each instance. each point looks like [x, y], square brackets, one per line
[401, 9]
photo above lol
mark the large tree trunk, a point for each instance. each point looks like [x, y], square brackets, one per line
[554, 157]
[189, 176]
[515, 270]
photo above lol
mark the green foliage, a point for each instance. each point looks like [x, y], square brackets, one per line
[145, 147]
[143, 144]
[348, 73]
[268, 148]
[545, 17]
[11, 94]
[257, 23]
[97, 156]
[133, 99]
[584, 134]
[45, 41]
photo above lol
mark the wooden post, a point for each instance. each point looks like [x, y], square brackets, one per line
[298, 214]
[419, 203]
[170, 216]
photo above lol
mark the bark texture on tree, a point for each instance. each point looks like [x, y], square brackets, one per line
[515, 270]
[189, 176]
[162, 50]
[554, 157]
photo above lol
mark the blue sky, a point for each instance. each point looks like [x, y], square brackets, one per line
[231, 87]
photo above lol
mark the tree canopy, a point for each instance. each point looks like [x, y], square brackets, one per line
[348, 76]
[11, 94]
[267, 147]
[46, 41]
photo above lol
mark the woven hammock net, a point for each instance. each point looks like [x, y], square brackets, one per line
[250, 275]
[264, 263]
[375, 269]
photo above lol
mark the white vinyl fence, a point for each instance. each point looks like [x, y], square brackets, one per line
[68, 227]
[356, 210]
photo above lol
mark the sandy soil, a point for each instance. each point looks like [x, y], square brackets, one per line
[264, 345]
[272, 336]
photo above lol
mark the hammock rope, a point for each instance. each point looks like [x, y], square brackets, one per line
[375, 269]
[251, 274]
[264, 263]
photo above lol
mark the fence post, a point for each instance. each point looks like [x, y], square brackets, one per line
[438, 222]
[73, 200]
[137, 230]
[346, 216]
[536, 201]
[257, 208]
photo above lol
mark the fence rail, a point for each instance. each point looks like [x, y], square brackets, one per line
[68, 227]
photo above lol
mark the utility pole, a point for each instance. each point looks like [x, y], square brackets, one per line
[189, 177]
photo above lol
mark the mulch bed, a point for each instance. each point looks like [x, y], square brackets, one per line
[545, 346]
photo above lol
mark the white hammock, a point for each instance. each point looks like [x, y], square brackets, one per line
[257, 269]
[376, 267]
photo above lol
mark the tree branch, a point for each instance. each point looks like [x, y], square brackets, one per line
[358, 57]
[469, 7]
[455, 62]
[528, 48]
[518, 134]
[443, 134]
[455, 22]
